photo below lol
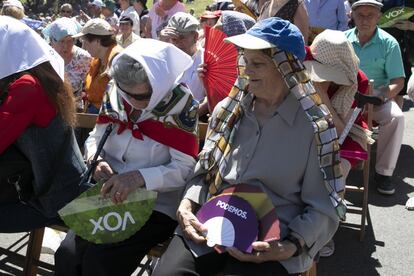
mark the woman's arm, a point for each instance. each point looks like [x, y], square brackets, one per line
[25, 104]
[301, 20]
[318, 222]
[170, 176]
[322, 88]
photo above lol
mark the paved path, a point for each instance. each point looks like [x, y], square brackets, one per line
[388, 248]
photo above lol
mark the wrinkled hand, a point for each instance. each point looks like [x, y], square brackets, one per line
[265, 251]
[119, 186]
[201, 70]
[404, 25]
[168, 33]
[191, 226]
[103, 171]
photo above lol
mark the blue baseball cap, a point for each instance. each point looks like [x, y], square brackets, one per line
[269, 33]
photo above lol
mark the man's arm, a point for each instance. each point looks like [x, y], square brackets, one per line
[392, 90]
[342, 17]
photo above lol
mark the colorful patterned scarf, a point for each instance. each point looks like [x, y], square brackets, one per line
[173, 121]
[224, 126]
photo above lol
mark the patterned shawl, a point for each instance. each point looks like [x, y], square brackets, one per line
[173, 121]
[223, 128]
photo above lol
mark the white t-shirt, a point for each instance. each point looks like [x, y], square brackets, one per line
[131, 13]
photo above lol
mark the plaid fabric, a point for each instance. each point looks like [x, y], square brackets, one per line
[223, 128]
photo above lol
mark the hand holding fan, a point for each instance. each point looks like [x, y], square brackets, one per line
[231, 222]
[221, 62]
[98, 220]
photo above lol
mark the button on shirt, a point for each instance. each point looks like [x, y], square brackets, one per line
[280, 157]
[327, 14]
[380, 58]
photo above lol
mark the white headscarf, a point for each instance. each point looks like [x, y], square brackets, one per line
[22, 48]
[163, 62]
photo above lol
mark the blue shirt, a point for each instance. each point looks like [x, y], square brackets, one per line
[380, 58]
[327, 14]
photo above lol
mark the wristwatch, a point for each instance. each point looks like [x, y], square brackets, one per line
[296, 242]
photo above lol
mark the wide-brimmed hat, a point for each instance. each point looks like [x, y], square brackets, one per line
[335, 61]
[183, 22]
[270, 33]
[96, 26]
[372, 3]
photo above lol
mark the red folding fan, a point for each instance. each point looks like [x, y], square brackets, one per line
[221, 61]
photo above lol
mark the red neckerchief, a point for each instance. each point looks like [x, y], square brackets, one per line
[170, 136]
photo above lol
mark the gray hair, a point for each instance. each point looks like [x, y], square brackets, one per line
[66, 5]
[128, 71]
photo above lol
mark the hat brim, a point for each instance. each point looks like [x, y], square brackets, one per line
[356, 5]
[78, 35]
[247, 41]
[322, 72]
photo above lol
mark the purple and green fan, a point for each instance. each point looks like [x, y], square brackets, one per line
[231, 222]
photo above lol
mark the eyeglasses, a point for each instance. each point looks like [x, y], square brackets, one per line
[139, 97]
[65, 11]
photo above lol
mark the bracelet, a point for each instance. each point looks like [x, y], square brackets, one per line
[295, 241]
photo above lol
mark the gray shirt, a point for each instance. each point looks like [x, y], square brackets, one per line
[281, 157]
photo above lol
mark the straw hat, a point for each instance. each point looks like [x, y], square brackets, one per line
[335, 61]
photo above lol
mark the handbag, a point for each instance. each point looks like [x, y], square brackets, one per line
[16, 176]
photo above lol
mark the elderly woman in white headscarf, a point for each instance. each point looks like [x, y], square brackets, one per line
[37, 113]
[153, 146]
[77, 60]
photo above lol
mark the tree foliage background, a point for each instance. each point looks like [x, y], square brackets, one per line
[51, 6]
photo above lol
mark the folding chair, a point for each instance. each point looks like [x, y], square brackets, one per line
[357, 187]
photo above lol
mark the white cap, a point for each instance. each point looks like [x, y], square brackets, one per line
[372, 3]
[13, 3]
[98, 3]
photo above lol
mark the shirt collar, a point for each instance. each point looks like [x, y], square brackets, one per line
[287, 109]
[354, 37]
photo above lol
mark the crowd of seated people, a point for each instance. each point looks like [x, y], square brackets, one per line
[300, 64]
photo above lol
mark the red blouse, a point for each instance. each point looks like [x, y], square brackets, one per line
[26, 104]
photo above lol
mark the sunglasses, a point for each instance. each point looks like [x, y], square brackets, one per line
[140, 97]
[65, 11]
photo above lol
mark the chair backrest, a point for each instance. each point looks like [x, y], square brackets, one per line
[202, 131]
[86, 120]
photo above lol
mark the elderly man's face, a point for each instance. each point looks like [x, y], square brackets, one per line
[366, 19]
[185, 41]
